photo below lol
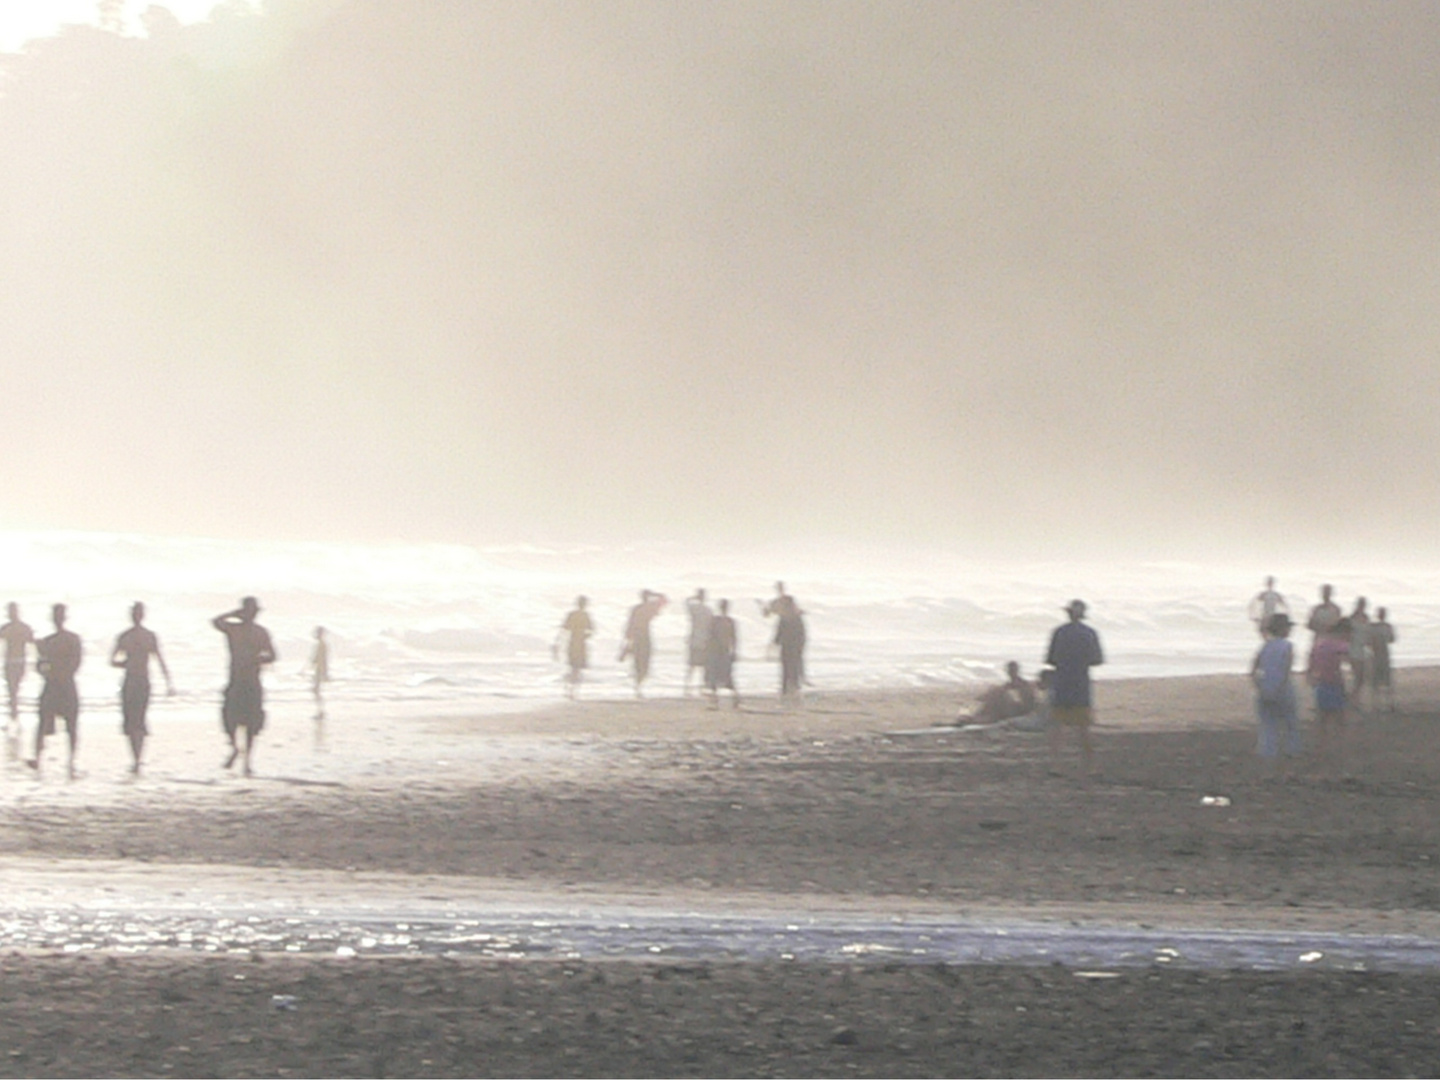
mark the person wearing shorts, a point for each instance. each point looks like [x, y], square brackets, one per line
[59, 699]
[1382, 683]
[243, 706]
[132, 652]
[1325, 672]
[1074, 650]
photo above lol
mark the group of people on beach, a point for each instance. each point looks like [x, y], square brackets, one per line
[1357, 644]
[1338, 641]
[58, 656]
[711, 649]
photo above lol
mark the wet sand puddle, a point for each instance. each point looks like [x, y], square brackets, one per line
[698, 936]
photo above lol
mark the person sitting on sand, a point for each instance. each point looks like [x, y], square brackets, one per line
[1012, 698]
[1275, 692]
[1325, 673]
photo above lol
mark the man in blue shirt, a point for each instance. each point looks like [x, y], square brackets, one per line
[1074, 650]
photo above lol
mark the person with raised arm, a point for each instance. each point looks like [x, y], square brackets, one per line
[243, 705]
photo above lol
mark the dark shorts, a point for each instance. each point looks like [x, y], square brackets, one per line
[134, 702]
[59, 700]
[1329, 698]
[243, 706]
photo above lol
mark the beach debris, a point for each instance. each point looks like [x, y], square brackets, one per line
[283, 1002]
[1310, 957]
[1215, 800]
[994, 825]
[344, 952]
[1096, 974]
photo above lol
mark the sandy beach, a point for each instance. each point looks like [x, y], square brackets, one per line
[850, 804]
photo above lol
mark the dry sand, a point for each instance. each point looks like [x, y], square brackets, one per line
[821, 808]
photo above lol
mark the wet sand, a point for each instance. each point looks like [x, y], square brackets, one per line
[670, 805]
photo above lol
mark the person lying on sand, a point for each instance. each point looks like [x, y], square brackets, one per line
[1012, 698]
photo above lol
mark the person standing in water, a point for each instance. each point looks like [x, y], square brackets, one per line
[18, 638]
[1266, 605]
[132, 651]
[696, 654]
[59, 660]
[576, 629]
[722, 646]
[1323, 615]
[637, 644]
[1074, 650]
[791, 637]
[243, 705]
[319, 668]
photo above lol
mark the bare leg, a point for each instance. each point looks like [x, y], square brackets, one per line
[249, 746]
[72, 736]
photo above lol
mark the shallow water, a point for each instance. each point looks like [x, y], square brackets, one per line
[423, 625]
[647, 936]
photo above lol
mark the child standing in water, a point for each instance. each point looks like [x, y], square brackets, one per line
[1275, 693]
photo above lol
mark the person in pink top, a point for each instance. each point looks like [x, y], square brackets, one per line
[1326, 674]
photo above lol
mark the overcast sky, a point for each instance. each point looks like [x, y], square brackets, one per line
[1139, 278]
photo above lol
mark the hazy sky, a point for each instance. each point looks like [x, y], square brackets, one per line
[1042, 278]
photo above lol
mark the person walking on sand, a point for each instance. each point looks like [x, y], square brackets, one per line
[1382, 636]
[1074, 650]
[1266, 604]
[18, 638]
[700, 619]
[133, 650]
[791, 638]
[576, 629]
[1275, 693]
[637, 635]
[243, 705]
[1323, 615]
[59, 660]
[722, 646]
[1324, 671]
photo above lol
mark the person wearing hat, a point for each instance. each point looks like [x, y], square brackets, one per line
[1074, 650]
[250, 650]
[1275, 693]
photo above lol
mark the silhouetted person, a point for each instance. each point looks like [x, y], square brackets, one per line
[1266, 605]
[1359, 648]
[1382, 682]
[132, 651]
[319, 668]
[637, 634]
[244, 702]
[1074, 650]
[59, 659]
[1014, 697]
[576, 629]
[1323, 615]
[790, 636]
[722, 646]
[696, 655]
[1275, 693]
[1325, 673]
[18, 637]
